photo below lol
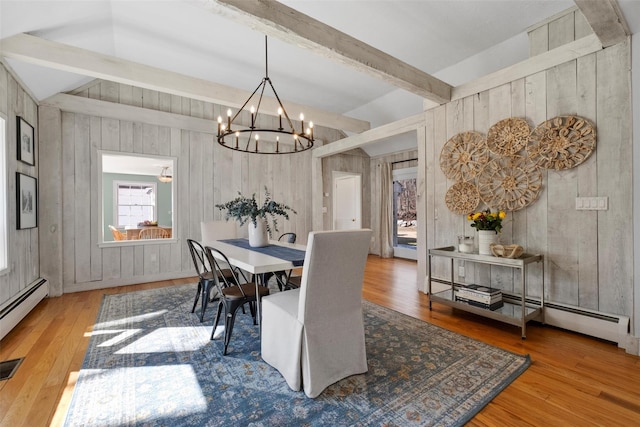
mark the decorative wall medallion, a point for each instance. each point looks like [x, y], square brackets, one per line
[508, 136]
[510, 183]
[462, 198]
[463, 156]
[563, 142]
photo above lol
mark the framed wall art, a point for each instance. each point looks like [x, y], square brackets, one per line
[26, 201]
[26, 144]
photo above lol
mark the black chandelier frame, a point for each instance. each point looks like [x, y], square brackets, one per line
[230, 138]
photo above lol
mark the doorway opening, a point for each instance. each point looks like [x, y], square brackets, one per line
[405, 219]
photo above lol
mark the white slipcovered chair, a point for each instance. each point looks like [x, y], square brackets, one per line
[218, 230]
[314, 335]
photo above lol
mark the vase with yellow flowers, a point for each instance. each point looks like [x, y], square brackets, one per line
[488, 224]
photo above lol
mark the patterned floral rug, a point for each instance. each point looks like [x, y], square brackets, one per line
[150, 362]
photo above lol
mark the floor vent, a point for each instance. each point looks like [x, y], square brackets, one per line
[9, 367]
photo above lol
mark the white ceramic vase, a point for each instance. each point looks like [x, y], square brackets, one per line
[258, 234]
[485, 239]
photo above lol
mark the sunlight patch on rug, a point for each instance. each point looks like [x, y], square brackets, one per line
[164, 340]
[169, 372]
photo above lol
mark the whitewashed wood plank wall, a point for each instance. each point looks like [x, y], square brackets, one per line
[23, 259]
[588, 254]
[207, 174]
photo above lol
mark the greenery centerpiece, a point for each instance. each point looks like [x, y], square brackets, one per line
[244, 209]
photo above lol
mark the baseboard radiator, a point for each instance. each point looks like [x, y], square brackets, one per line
[610, 327]
[19, 306]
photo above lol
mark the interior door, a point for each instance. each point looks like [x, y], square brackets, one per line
[347, 201]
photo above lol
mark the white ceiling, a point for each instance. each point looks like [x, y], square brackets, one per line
[186, 37]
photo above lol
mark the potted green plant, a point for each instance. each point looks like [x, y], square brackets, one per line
[246, 209]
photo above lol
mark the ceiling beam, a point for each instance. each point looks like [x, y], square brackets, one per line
[606, 20]
[287, 24]
[38, 51]
[389, 130]
[535, 64]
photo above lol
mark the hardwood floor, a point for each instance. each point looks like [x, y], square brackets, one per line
[573, 380]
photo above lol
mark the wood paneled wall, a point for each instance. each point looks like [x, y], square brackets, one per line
[354, 161]
[23, 258]
[206, 174]
[588, 254]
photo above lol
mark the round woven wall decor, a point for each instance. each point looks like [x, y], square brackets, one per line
[510, 183]
[464, 155]
[508, 136]
[462, 198]
[563, 142]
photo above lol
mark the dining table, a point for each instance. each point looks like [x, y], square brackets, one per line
[276, 256]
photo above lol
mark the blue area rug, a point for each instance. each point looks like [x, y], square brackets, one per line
[150, 362]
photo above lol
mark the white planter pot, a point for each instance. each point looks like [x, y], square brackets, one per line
[486, 238]
[258, 234]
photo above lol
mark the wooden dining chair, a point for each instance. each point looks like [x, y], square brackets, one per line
[153, 233]
[117, 234]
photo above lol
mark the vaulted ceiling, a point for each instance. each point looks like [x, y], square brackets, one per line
[373, 61]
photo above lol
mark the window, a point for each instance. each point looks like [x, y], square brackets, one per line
[405, 212]
[3, 199]
[135, 188]
[135, 203]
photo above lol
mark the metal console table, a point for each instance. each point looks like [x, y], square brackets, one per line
[517, 309]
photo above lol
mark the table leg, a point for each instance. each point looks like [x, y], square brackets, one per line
[258, 282]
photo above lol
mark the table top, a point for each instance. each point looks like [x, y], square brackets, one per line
[252, 261]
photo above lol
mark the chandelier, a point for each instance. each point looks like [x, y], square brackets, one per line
[264, 140]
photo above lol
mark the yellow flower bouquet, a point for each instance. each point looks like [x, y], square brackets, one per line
[486, 220]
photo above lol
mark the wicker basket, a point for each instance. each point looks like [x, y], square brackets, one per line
[506, 251]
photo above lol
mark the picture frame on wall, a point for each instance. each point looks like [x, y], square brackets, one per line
[26, 144]
[26, 201]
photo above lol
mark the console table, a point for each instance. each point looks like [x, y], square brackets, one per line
[517, 309]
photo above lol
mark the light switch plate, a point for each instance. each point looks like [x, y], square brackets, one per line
[592, 203]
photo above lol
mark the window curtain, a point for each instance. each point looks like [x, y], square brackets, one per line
[386, 211]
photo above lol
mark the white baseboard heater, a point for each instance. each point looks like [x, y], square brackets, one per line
[19, 306]
[610, 327]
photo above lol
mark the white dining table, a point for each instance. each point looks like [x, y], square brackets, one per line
[254, 262]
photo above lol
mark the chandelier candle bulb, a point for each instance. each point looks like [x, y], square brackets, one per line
[277, 144]
[237, 137]
[311, 130]
[229, 119]
[253, 112]
[280, 118]
[302, 122]
[219, 124]
[257, 137]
